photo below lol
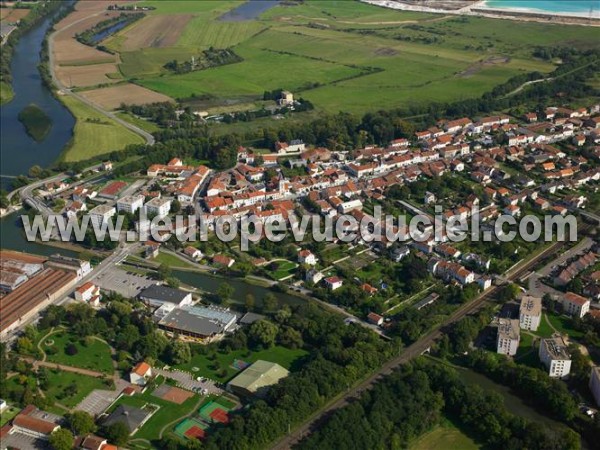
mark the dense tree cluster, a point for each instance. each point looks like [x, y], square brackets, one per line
[411, 401]
[339, 355]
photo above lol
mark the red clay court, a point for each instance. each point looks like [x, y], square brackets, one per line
[219, 415]
[172, 394]
[195, 433]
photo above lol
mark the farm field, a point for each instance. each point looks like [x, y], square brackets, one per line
[141, 123]
[87, 75]
[112, 97]
[363, 58]
[10, 15]
[94, 133]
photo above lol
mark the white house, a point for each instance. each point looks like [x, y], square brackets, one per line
[193, 252]
[140, 374]
[333, 283]
[89, 293]
[307, 257]
[575, 305]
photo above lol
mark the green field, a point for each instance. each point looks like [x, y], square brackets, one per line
[284, 269]
[220, 369]
[6, 93]
[171, 260]
[345, 55]
[95, 356]
[145, 125]
[445, 436]
[59, 381]
[94, 133]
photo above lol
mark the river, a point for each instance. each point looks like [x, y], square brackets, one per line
[18, 151]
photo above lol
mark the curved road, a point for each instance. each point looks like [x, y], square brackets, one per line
[67, 91]
[409, 353]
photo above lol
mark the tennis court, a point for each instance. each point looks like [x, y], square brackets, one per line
[172, 394]
[191, 429]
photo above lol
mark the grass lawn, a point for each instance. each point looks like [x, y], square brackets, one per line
[564, 325]
[284, 269]
[167, 413]
[544, 330]
[59, 381]
[171, 260]
[221, 370]
[527, 353]
[94, 133]
[446, 436]
[8, 414]
[6, 93]
[96, 356]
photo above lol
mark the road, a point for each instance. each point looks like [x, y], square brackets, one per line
[67, 91]
[411, 352]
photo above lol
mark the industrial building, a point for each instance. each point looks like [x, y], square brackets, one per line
[196, 322]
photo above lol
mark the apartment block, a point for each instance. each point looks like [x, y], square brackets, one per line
[508, 337]
[554, 355]
[530, 313]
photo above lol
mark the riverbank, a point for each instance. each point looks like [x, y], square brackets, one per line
[481, 8]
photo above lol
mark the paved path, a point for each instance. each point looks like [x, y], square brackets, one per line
[52, 365]
[187, 381]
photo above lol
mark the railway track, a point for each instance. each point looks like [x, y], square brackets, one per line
[413, 350]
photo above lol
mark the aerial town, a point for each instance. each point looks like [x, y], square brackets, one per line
[198, 252]
[485, 158]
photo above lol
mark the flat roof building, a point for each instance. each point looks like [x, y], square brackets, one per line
[130, 204]
[157, 295]
[198, 322]
[508, 337]
[554, 355]
[530, 312]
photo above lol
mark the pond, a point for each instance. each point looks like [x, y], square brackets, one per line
[250, 10]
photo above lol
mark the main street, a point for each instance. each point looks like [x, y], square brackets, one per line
[410, 352]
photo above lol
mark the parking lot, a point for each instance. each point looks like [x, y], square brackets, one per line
[118, 279]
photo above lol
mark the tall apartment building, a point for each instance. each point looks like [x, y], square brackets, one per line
[101, 213]
[508, 337]
[158, 206]
[595, 384]
[554, 355]
[530, 312]
[130, 204]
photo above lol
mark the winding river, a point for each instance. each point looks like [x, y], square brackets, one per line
[18, 151]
